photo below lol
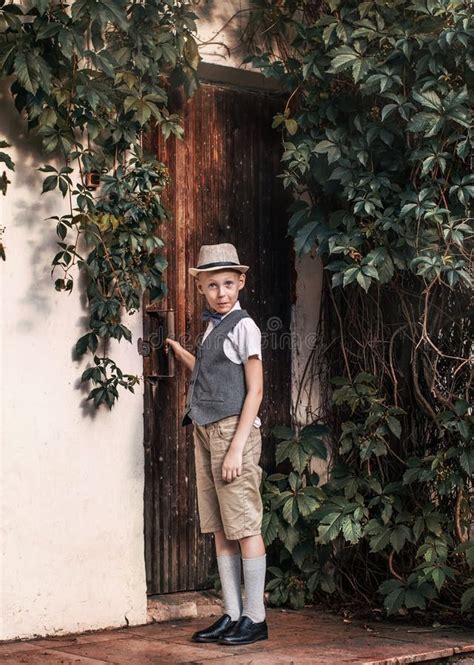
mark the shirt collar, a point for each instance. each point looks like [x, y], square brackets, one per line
[236, 306]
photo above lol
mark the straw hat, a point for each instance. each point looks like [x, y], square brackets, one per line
[214, 257]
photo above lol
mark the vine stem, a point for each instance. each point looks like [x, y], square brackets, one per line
[292, 95]
[392, 368]
[414, 364]
[463, 537]
[301, 383]
[341, 331]
[425, 335]
[107, 258]
[392, 452]
[392, 569]
[117, 285]
[356, 589]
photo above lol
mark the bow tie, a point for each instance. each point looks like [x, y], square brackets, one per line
[215, 317]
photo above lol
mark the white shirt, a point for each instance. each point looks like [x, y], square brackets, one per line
[244, 340]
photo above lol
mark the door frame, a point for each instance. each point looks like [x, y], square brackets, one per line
[175, 153]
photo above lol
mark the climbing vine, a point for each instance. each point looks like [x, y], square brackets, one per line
[377, 149]
[90, 77]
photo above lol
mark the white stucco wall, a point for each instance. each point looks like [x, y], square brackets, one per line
[220, 26]
[304, 322]
[71, 477]
[71, 487]
[305, 314]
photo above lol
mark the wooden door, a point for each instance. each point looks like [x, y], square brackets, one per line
[224, 189]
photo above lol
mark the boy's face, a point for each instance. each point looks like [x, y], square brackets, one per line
[221, 288]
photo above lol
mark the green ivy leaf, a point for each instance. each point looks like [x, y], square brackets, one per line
[291, 126]
[298, 456]
[290, 511]
[281, 432]
[351, 530]
[26, 69]
[270, 524]
[394, 426]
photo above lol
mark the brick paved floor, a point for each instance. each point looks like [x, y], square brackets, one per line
[302, 637]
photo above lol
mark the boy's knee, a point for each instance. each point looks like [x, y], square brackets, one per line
[223, 545]
[252, 546]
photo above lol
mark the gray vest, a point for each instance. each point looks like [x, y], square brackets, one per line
[217, 386]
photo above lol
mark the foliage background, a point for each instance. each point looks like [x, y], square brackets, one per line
[89, 77]
[377, 148]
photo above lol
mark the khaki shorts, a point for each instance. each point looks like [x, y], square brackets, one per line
[236, 506]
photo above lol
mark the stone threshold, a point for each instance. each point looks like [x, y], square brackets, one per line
[202, 604]
[432, 656]
[183, 605]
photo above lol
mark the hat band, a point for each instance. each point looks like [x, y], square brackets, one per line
[218, 263]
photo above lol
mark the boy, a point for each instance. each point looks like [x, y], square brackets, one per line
[224, 395]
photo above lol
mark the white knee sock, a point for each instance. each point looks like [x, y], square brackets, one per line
[254, 582]
[229, 573]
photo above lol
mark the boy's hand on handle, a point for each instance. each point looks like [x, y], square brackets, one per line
[176, 346]
[180, 352]
[232, 465]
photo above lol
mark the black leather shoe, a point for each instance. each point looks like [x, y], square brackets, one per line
[215, 631]
[245, 631]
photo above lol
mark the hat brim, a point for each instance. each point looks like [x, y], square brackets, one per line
[196, 271]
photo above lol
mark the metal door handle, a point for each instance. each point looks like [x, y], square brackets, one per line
[158, 364]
